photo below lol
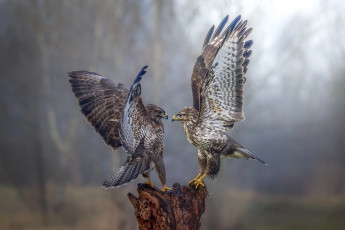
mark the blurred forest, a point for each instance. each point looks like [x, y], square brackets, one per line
[52, 163]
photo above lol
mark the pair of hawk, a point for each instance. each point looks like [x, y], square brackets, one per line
[121, 118]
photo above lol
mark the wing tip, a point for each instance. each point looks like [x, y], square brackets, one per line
[247, 53]
[248, 44]
[231, 26]
[237, 19]
[140, 74]
[208, 36]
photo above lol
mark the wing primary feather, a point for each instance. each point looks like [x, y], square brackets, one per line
[248, 44]
[220, 27]
[247, 53]
[208, 36]
[140, 74]
[241, 28]
[247, 32]
[232, 25]
[246, 62]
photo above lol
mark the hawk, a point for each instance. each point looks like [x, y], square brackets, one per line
[217, 86]
[120, 117]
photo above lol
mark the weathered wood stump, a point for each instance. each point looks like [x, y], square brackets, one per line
[178, 209]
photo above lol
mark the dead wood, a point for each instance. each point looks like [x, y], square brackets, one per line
[178, 209]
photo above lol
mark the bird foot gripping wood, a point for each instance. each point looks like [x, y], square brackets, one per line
[150, 183]
[197, 181]
[165, 188]
[177, 209]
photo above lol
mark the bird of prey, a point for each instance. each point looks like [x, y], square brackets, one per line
[217, 86]
[120, 117]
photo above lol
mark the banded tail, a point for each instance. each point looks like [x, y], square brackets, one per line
[128, 172]
[234, 150]
[244, 153]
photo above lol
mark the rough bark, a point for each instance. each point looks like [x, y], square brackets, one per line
[180, 208]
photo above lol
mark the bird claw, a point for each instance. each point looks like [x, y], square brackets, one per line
[199, 182]
[195, 179]
[165, 188]
[192, 181]
[149, 182]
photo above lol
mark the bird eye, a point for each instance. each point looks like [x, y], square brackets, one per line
[179, 115]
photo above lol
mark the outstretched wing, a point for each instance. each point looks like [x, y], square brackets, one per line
[101, 101]
[212, 43]
[134, 118]
[222, 91]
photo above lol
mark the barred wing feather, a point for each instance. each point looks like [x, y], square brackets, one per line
[212, 43]
[101, 102]
[222, 91]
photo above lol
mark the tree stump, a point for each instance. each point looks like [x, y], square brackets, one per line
[178, 209]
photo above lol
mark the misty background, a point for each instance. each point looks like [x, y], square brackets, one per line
[52, 163]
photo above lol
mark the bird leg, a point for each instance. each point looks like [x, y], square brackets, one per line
[199, 181]
[149, 182]
[165, 188]
[195, 179]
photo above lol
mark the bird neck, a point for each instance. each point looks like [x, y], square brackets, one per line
[157, 121]
[189, 127]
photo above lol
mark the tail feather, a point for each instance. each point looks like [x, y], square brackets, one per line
[138, 168]
[126, 173]
[129, 175]
[244, 153]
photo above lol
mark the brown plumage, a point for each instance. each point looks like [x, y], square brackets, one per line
[120, 117]
[217, 85]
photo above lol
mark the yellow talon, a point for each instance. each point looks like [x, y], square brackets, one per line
[165, 188]
[199, 181]
[195, 179]
[149, 182]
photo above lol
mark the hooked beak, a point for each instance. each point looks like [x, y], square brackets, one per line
[165, 115]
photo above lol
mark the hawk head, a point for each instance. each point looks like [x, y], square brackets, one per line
[156, 112]
[187, 114]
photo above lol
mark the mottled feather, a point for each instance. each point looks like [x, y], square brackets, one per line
[135, 117]
[217, 86]
[101, 102]
[209, 52]
[222, 91]
[121, 118]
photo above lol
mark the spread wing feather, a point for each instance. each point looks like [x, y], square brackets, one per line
[208, 37]
[135, 117]
[101, 102]
[212, 43]
[222, 90]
